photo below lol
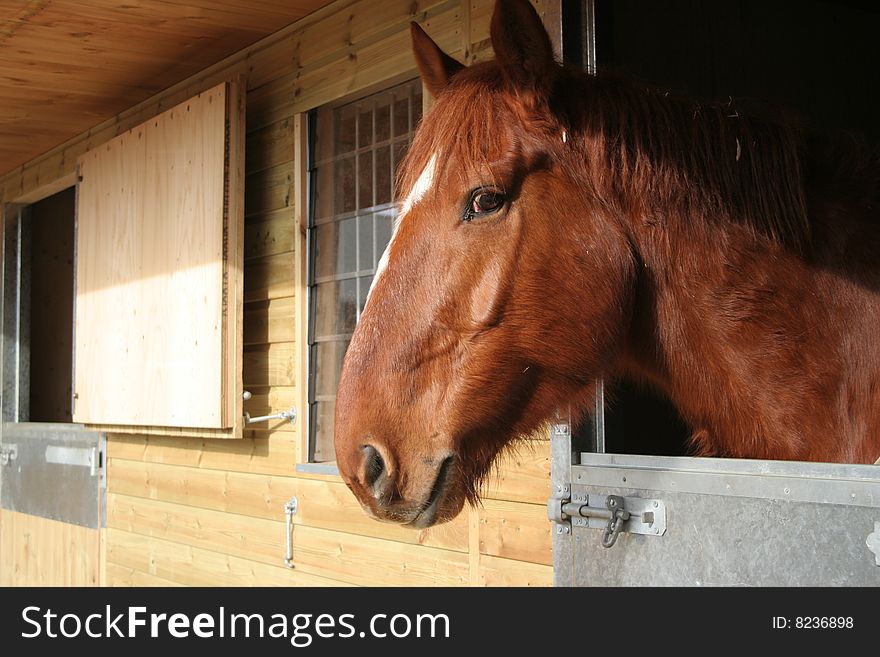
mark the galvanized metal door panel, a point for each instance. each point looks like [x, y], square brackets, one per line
[728, 522]
[55, 471]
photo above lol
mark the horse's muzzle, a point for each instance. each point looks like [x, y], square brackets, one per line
[391, 494]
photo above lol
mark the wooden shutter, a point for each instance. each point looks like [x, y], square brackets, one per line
[159, 272]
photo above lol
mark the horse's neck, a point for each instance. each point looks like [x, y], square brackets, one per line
[746, 341]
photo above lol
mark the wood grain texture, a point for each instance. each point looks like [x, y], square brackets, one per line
[37, 551]
[271, 453]
[194, 566]
[270, 322]
[157, 281]
[495, 571]
[322, 504]
[262, 540]
[122, 576]
[274, 365]
[270, 146]
[271, 277]
[276, 78]
[68, 65]
[205, 512]
[516, 531]
[271, 233]
[270, 189]
[522, 475]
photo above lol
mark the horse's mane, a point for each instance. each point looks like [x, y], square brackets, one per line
[650, 152]
[692, 159]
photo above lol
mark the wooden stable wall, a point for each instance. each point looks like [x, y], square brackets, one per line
[41, 552]
[185, 511]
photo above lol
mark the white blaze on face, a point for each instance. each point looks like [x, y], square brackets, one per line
[423, 184]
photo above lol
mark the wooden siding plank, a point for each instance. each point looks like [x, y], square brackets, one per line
[270, 234]
[270, 146]
[192, 566]
[255, 539]
[369, 561]
[516, 531]
[322, 504]
[371, 64]
[269, 190]
[273, 454]
[37, 551]
[522, 475]
[339, 32]
[270, 277]
[321, 557]
[495, 571]
[360, 558]
[267, 322]
[119, 576]
[274, 365]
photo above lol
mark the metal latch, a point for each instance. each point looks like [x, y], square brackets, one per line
[611, 513]
[290, 510]
[290, 415]
[8, 454]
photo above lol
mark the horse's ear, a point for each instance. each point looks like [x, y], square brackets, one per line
[522, 45]
[435, 66]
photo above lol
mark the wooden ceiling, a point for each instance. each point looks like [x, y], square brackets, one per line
[67, 65]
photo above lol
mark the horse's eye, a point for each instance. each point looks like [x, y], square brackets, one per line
[484, 202]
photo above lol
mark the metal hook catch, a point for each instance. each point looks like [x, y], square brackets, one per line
[619, 515]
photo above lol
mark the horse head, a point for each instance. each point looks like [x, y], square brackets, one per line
[482, 316]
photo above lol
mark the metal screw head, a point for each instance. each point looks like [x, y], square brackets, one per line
[292, 505]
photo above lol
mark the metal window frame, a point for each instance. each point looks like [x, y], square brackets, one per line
[16, 313]
[313, 222]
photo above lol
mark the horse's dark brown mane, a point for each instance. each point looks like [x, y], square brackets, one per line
[650, 152]
[694, 159]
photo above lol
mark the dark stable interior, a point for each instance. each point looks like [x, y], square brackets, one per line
[817, 59]
[51, 307]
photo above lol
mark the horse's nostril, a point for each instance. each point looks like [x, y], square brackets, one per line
[374, 467]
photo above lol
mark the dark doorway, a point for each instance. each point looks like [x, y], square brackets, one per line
[51, 307]
[815, 58]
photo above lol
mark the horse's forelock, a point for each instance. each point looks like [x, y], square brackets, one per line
[469, 128]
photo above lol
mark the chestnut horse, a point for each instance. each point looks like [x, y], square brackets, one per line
[559, 227]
